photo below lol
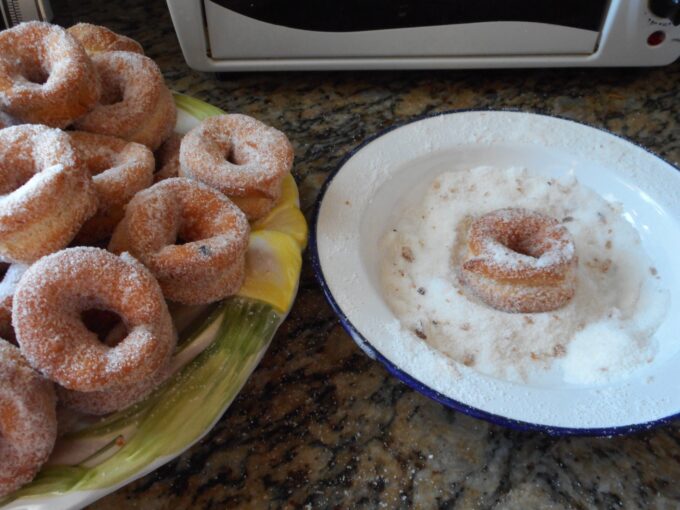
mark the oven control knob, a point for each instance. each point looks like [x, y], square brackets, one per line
[666, 9]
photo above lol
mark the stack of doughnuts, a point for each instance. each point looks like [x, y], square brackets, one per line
[97, 232]
[87, 77]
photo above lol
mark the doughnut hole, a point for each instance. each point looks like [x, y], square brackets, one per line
[36, 74]
[230, 156]
[31, 67]
[192, 229]
[98, 163]
[15, 170]
[106, 324]
[112, 94]
[525, 243]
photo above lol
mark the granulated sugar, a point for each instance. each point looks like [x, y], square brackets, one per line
[604, 333]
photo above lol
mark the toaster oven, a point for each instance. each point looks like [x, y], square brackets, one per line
[241, 35]
[13, 12]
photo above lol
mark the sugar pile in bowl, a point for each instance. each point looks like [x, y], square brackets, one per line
[604, 333]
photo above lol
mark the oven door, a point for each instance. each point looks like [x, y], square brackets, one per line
[257, 29]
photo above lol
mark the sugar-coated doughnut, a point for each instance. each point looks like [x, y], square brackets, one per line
[115, 398]
[45, 75]
[135, 103]
[28, 419]
[167, 158]
[46, 194]
[9, 279]
[520, 261]
[96, 39]
[241, 157]
[119, 170]
[118, 397]
[46, 316]
[191, 237]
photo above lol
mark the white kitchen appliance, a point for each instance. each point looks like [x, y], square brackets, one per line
[245, 35]
[13, 12]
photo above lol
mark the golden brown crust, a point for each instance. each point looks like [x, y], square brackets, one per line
[96, 39]
[45, 75]
[520, 261]
[167, 158]
[112, 399]
[119, 170]
[258, 157]
[46, 316]
[39, 173]
[255, 207]
[136, 105]
[210, 265]
[28, 420]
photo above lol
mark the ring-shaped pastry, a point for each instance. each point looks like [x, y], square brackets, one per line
[28, 419]
[520, 261]
[46, 192]
[96, 39]
[191, 237]
[47, 319]
[135, 104]
[240, 156]
[119, 170]
[45, 75]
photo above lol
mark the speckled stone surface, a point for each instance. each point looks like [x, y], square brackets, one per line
[321, 425]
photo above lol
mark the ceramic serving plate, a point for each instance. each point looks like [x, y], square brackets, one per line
[390, 172]
[219, 348]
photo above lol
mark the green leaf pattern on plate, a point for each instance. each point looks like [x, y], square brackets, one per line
[219, 347]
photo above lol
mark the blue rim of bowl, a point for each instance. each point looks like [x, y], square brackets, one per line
[414, 383]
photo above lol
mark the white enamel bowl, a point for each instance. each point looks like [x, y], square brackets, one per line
[362, 199]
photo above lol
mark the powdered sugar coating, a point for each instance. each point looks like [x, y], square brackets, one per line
[615, 288]
[240, 156]
[96, 39]
[46, 318]
[39, 173]
[211, 264]
[520, 261]
[118, 397]
[135, 103]
[28, 420]
[119, 170]
[167, 158]
[45, 75]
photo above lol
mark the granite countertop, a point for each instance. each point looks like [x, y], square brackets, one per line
[319, 423]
